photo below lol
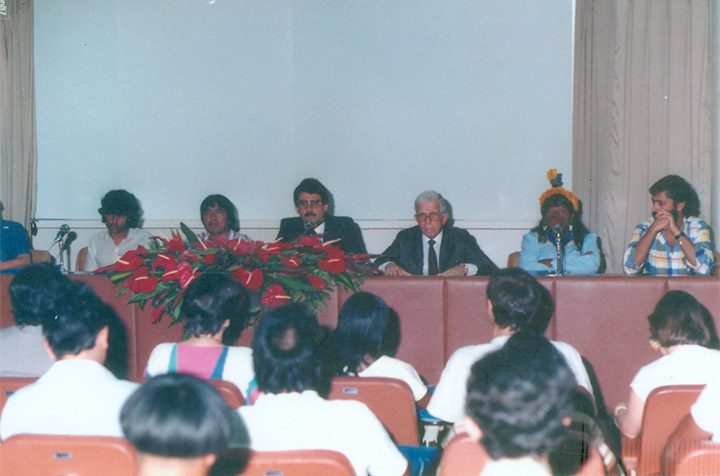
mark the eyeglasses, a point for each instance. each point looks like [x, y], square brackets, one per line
[309, 203]
[432, 216]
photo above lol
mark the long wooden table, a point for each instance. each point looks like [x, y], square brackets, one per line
[604, 318]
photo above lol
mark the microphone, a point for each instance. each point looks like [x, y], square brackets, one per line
[64, 230]
[72, 236]
[309, 228]
[558, 230]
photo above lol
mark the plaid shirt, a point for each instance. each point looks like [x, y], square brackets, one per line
[663, 261]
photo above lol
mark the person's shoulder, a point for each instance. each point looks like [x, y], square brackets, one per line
[140, 233]
[412, 232]
[341, 220]
[457, 233]
[10, 225]
[240, 352]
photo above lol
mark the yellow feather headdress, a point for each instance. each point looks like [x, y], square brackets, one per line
[557, 188]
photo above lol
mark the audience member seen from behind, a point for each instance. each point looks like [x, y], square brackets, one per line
[178, 424]
[14, 249]
[212, 303]
[365, 341]
[77, 396]
[220, 219]
[122, 215]
[683, 330]
[291, 415]
[675, 241]
[33, 293]
[516, 302]
[561, 213]
[518, 401]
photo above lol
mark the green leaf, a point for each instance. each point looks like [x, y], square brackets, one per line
[189, 234]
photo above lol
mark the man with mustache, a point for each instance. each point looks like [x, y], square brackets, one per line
[675, 241]
[311, 203]
[121, 213]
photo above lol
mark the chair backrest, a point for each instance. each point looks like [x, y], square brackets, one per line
[695, 458]
[513, 260]
[8, 386]
[40, 256]
[81, 258]
[50, 455]
[230, 392]
[664, 408]
[391, 400]
[298, 463]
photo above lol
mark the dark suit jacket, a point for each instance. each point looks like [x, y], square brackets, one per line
[458, 247]
[351, 240]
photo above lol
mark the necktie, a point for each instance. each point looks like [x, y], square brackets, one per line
[432, 259]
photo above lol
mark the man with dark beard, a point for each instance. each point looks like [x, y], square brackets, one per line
[312, 201]
[675, 242]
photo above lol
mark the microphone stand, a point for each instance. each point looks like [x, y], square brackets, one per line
[559, 247]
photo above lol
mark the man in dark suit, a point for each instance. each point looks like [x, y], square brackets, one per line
[415, 250]
[311, 203]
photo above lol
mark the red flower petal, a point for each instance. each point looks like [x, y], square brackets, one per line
[332, 265]
[250, 279]
[316, 281]
[156, 314]
[140, 282]
[292, 261]
[274, 296]
[209, 258]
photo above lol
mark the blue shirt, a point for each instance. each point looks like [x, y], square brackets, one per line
[575, 261]
[13, 242]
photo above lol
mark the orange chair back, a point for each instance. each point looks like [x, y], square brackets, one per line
[664, 408]
[8, 386]
[298, 463]
[230, 392]
[81, 259]
[696, 458]
[50, 455]
[391, 400]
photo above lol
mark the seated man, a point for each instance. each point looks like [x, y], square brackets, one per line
[178, 424]
[121, 213]
[675, 241]
[517, 401]
[312, 200]
[516, 301]
[219, 217]
[77, 396]
[415, 250]
[290, 415]
[14, 249]
[561, 215]
[33, 294]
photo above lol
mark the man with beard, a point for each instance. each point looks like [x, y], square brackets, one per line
[312, 201]
[121, 213]
[675, 241]
[219, 217]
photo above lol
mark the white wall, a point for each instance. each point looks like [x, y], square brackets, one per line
[379, 99]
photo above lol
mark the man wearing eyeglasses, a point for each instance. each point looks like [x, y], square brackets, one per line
[431, 248]
[311, 203]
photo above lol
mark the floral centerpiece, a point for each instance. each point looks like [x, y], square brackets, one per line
[303, 271]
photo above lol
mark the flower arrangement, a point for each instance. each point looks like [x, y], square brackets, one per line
[303, 271]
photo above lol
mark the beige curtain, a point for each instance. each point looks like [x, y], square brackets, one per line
[642, 109]
[17, 118]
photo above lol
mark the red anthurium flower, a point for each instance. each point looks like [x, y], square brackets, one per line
[316, 281]
[273, 248]
[241, 247]
[332, 265]
[361, 256]
[175, 273]
[164, 261]
[292, 261]
[128, 262]
[274, 296]
[157, 312]
[263, 254]
[176, 243]
[186, 278]
[209, 258]
[140, 282]
[250, 279]
[313, 241]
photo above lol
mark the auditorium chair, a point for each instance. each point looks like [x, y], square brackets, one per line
[391, 400]
[8, 386]
[40, 256]
[51, 455]
[298, 463]
[230, 392]
[465, 456]
[81, 259]
[664, 408]
[692, 458]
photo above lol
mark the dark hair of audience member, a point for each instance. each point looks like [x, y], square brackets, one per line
[680, 319]
[79, 317]
[311, 186]
[678, 190]
[515, 296]
[221, 201]
[366, 326]
[210, 300]
[34, 292]
[519, 395]
[284, 351]
[121, 203]
[177, 415]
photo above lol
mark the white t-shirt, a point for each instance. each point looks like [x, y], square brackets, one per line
[102, 250]
[448, 400]
[391, 367]
[706, 411]
[75, 397]
[296, 421]
[238, 367]
[686, 365]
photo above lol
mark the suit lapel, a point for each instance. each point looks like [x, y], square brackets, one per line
[447, 250]
[417, 252]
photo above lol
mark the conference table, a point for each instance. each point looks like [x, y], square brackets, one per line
[603, 317]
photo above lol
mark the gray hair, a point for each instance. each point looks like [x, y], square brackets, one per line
[430, 195]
